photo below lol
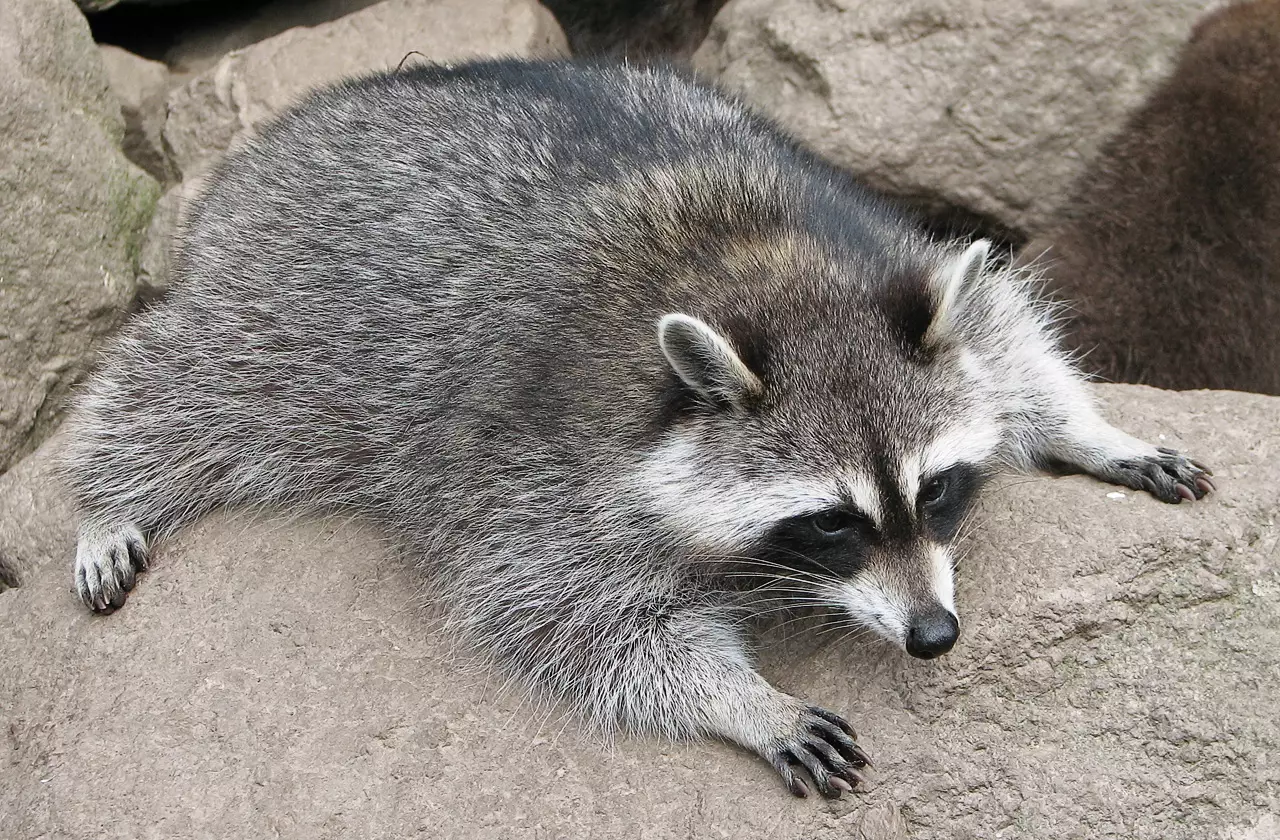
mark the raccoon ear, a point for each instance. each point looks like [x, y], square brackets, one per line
[949, 287]
[702, 358]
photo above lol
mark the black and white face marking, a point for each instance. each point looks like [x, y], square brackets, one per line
[829, 543]
[885, 561]
[893, 571]
[853, 540]
[856, 504]
[727, 508]
[945, 499]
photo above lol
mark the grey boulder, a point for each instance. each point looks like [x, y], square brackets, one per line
[248, 86]
[991, 106]
[74, 211]
[141, 87]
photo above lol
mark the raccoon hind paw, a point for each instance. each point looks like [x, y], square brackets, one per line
[108, 560]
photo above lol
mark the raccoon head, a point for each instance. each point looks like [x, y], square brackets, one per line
[831, 439]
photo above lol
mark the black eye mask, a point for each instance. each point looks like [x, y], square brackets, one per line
[831, 542]
[945, 499]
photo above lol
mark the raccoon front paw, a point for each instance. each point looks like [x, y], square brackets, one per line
[1168, 476]
[107, 562]
[823, 744]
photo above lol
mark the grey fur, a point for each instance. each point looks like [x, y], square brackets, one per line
[432, 299]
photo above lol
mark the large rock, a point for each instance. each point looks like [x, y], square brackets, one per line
[73, 211]
[141, 86]
[248, 86]
[989, 105]
[1119, 677]
[201, 42]
[161, 239]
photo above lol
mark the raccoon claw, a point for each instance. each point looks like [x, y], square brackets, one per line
[107, 563]
[824, 746]
[1168, 476]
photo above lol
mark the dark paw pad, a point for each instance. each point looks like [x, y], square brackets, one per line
[825, 747]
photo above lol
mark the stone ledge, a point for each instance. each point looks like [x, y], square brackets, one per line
[1118, 676]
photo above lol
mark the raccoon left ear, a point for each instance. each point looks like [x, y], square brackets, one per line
[705, 361]
[948, 288]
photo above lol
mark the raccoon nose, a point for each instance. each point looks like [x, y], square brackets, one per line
[932, 633]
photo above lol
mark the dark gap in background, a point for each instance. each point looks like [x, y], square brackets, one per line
[951, 221]
[151, 31]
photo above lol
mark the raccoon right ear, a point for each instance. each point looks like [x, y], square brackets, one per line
[949, 287]
[705, 361]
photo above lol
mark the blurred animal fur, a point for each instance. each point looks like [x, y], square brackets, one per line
[1170, 248]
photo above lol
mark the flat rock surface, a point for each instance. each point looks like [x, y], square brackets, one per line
[1118, 676]
[986, 104]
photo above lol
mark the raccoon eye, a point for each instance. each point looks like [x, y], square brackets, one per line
[831, 523]
[935, 490]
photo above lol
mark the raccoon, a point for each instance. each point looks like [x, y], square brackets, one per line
[615, 360]
[1169, 245]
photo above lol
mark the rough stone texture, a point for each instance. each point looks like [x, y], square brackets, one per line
[248, 86]
[1118, 677]
[157, 245]
[134, 80]
[102, 5]
[141, 87]
[73, 208]
[204, 44]
[989, 105]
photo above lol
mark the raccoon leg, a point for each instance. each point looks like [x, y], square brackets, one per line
[796, 738]
[685, 673]
[1164, 473]
[129, 493]
[108, 559]
[1072, 437]
[137, 476]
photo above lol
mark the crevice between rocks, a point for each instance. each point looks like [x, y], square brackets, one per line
[9, 577]
[151, 31]
[946, 220]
